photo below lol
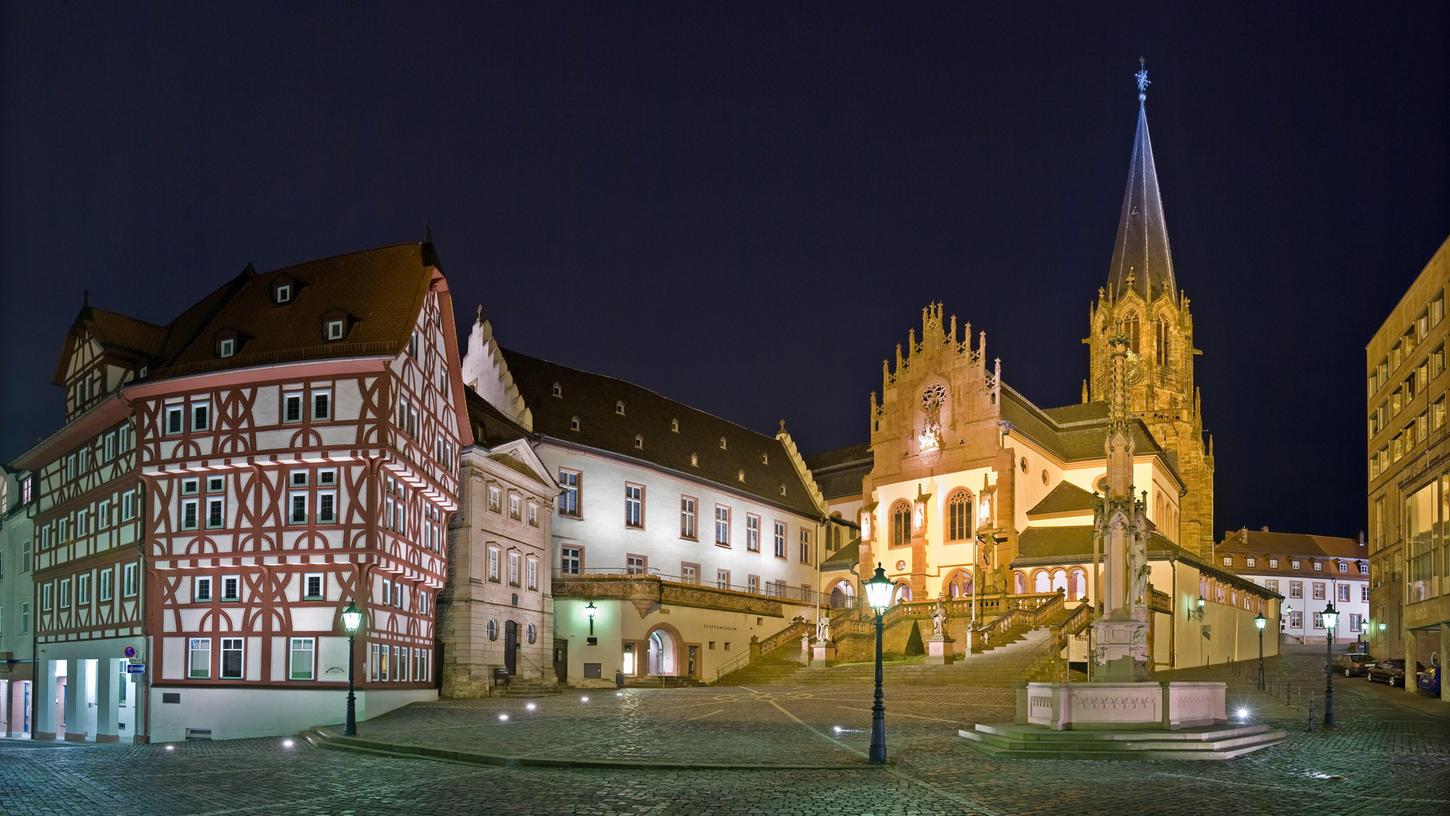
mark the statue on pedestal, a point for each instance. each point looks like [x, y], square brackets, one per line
[939, 619]
[823, 629]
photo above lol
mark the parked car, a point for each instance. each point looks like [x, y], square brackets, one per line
[1353, 664]
[1390, 671]
[1429, 680]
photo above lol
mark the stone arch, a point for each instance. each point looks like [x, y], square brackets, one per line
[1041, 581]
[902, 593]
[843, 595]
[1059, 580]
[1019, 582]
[663, 646]
[958, 584]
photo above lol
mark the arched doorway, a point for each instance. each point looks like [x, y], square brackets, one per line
[903, 593]
[511, 647]
[843, 595]
[958, 584]
[663, 653]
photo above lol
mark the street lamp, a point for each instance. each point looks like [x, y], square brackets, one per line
[1259, 622]
[351, 622]
[589, 610]
[1330, 617]
[878, 595]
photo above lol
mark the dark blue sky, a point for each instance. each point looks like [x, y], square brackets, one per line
[746, 209]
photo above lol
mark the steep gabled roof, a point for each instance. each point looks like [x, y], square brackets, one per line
[1265, 542]
[379, 293]
[1065, 498]
[593, 400]
[1142, 261]
[839, 473]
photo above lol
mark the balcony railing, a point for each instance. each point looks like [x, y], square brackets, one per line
[777, 592]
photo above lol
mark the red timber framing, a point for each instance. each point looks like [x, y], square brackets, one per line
[262, 498]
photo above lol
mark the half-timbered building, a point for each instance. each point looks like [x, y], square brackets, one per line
[226, 483]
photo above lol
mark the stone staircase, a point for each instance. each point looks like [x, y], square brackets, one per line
[519, 686]
[1215, 742]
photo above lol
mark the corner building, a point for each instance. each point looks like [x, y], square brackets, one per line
[1409, 474]
[226, 483]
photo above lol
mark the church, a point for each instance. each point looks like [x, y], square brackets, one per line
[970, 492]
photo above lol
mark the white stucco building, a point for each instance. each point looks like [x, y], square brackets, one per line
[17, 612]
[1309, 571]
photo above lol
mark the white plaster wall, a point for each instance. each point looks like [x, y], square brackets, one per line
[233, 713]
[606, 539]
[1308, 605]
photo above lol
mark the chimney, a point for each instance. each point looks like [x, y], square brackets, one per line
[1361, 539]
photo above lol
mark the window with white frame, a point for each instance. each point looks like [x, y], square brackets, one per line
[722, 579]
[313, 586]
[516, 511]
[1364, 593]
[322, 403]
[24, 617]
[422, 603]
[107, 584]
[1249, 561]
[1343, 567]
[1343, 593]
[1228, 560]
[690, 573]
[493, 564]
[232, 663]
[1273, 563]
[200, 415]
[722, 525]
[805, 549]
[326, 506]
[569, 499]
[200, 589]
[752, 584]
[1364, 568]
[292, 406]
[216, 515]
[687, 517]
[1296, 589]
[495, 499]
[128, 506]
[514, 569]
[175, 419]
[301, 655]
[83, 589]
[752, 532]
[533, 513]
[532, 567]
[231, 587]
[45, 597]
[779, 537]
[65, 593]
[297, 507]
[571, 560]
[334, 329]
[226, 347]
[108, 447]
[282, 293]
[1319, 590]
[128, 580]
[103, 514]
[633, 505]
[636, 565]
[198, 658]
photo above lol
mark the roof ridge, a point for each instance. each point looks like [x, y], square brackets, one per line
[644, 388]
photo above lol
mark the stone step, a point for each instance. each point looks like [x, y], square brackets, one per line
[1194, 744]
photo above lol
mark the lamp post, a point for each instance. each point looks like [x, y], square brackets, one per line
[1259, 621]
[351, 622]
[878, 595]
[1330, 617]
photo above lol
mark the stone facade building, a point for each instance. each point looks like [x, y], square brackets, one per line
[1409, 473]
[17, 605]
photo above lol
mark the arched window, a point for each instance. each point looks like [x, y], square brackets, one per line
[958, 584]
[1041, 582]
[959, 515]
[1059, 580]
[903, 593]
[900, 524]
[1160, 344]
[1019, 583]
[1077, 584]
[1131, 330]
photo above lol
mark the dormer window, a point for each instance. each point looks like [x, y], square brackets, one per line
[619, 407]
[740, 475]
[764, 458]
[282, 293]
[782, 488]
[694, 460]
[335, 329]
[722, 443]
[226, 347]
[573, 423]
[558, 390]
[639, 442]
[675, 425]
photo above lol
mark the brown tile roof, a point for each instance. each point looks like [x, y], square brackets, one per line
[378, 291]
[1265, 542]
[1065, 498]
[593, 398]
[839, 473]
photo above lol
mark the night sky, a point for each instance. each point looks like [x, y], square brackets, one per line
[746, 209]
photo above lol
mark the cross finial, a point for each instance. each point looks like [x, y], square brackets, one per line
[1143, 81]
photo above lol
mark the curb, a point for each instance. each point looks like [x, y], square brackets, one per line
[323, 738]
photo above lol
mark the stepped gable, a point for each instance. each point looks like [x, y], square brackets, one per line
[669, 432]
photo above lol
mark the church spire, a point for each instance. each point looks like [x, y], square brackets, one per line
[1142, 261]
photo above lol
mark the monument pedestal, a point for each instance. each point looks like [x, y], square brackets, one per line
[1160, 706]
[1120, 649]
[939, 651]
[823, 654]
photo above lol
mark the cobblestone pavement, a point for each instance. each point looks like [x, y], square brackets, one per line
[1390, 754]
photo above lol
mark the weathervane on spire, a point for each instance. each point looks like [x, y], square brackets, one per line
[1143, 81]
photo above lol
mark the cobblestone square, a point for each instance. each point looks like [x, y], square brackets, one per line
[1390, 754]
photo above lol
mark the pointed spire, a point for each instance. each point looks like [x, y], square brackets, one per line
[1142, 261]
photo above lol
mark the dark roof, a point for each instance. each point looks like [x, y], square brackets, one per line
[1065, 498]
[379, 293]
[491, 427]
[1073, 433]
[1142, 261]
[1265, 542]
[1039, 546]
[839, 473]
[592, 398]
[843, 559]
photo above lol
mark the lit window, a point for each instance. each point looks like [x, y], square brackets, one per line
[633, 505]
[752, 532]
[571, 560]
[779, 539]
[493, 564]
[495, 499]
[232, 658]
[514, 562]
[282, 293]
[198, 660]
[226, 347]
[687, 517]
[300, 662]
[722, 526]
[334, 330]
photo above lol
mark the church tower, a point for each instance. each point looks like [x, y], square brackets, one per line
[1142, 303]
